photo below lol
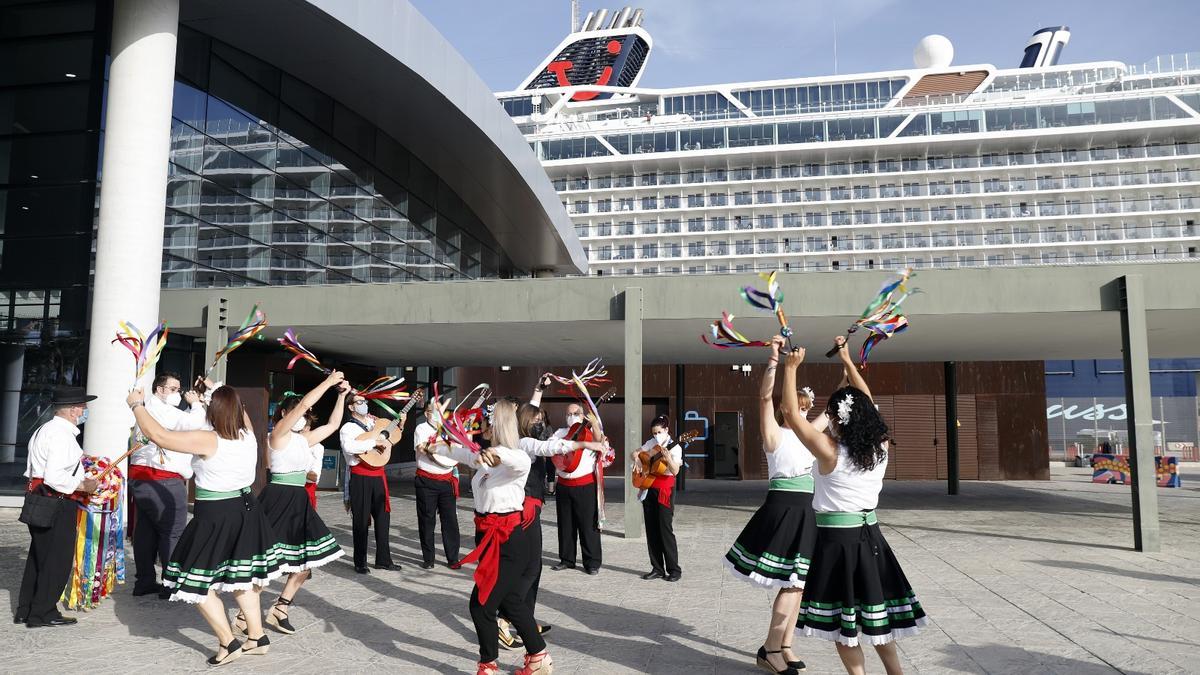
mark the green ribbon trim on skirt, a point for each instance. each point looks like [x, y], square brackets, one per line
[211, 495]
[843, 519]
[794, 484]
[290, 478]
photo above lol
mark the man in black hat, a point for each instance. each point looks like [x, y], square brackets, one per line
[54, 470]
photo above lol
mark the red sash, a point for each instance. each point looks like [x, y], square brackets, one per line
[311, 489]
[496, 529]
[665, 485]
[142, 472]
[367, 470]
[529, 511]
[444, 477]
[586, 479]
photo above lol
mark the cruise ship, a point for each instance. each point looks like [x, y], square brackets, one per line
[938, 165]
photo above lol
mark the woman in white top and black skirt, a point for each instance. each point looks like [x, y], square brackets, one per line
[775, 548]
[855, 584]
[507, 562]
[228, 545]
[305, 543]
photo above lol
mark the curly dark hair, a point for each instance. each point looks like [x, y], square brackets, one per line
[865, 433]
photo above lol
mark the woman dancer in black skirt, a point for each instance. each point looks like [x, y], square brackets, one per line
[305, 543]
[855, 584]
[228, 545]
[775, 548]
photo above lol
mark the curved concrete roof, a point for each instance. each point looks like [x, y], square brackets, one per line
[387, 63]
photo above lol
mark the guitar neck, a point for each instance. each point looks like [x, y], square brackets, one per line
[391, 428]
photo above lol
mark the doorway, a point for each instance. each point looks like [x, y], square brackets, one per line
[727, 444]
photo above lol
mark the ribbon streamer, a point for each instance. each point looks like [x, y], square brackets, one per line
[254, 324]
[453, 426]
[291, 343]
[145, 349]
[882, 317]
[771, 301]
[725, 336]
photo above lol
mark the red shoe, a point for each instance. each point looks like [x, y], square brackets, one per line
[489, 668]
[539, 663]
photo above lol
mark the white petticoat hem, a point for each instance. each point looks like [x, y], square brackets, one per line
[873, 640]
[221, 587]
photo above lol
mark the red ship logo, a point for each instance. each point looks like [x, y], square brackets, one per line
[560, 68]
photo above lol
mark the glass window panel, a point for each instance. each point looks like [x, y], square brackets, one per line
[46, 60]
[44, 109]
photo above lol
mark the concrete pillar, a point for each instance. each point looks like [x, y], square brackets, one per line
[12, 375]
[633, 406]
[1135, 352]
[216, 334]
[133, 192]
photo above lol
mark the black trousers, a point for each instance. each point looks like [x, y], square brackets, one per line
[535, 535]
[435, 499]
[368, 507]
[660, 533]
[48, 566]
[577, 516]
[518, 566]
[161, 515]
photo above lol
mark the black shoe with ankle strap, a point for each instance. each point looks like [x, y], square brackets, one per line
[762, 662]
[278, 619]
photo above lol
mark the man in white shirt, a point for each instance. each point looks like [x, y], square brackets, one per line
[575, 496]
[370, 502]
[158, 484]
[54, 470]
[436, 487]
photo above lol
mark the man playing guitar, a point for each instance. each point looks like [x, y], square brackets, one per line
[367, 444]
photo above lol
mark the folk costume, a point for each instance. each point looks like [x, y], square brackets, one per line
[437, 491]
[370, 502]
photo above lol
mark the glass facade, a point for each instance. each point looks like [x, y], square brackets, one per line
[51, 88]
[274, 183]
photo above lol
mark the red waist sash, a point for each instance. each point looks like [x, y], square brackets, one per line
[311, 489]
[586, 479]
[444, 477]
[529, 511]
[361, 469]
[142, 472]
[665, 485]
[496, 529]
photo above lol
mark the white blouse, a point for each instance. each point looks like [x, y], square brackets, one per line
[317, 452]
[171, 419]
[496, 489]
[54, 455]
[587, 461]
[790, 458]
[351, 446]
[846, 488]
[295, 455]
[435, 465]
[233, 467]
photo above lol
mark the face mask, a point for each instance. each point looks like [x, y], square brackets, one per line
[299, 425]
[82, 418]
[574, 419]
[662, 437]
[174, 399]
[361, 408]
[536, 429]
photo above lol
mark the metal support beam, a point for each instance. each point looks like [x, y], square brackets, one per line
[951, 428]
[633, 406]
[216, 324]
[1136, 355]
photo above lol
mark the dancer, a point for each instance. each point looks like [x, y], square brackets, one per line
[437, 490]
[158, 480]
[228, 545]
[54, 477]
[855, 583]
[575, 494]
[370, 502]
[658, 501]
[775, 548]
[507, 562]
[304, 541]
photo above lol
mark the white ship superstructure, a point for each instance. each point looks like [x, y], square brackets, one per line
[938, 165]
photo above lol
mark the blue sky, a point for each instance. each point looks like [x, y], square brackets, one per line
[715, 41]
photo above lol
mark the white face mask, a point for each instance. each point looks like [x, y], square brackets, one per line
[299, 425]
[173, 399]
[574, 419]
[662, 437]
[361, 408]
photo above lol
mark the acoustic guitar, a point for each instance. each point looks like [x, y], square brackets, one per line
[375, 459]
[580, 431]
[655, 462]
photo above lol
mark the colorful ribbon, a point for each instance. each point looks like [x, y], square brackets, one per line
[725, 336]
[254, 324]
[145, 349]
[291, 343]
[882, 317]
[771, 301]
[99, 562]
[454, 426]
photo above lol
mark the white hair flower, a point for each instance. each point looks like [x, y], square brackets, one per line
[844, 407]
[812, 398]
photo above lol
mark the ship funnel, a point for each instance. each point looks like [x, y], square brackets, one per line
[636, 19]
[1045, 47]
[598, 20]
[623, 17]
[617, 19]
[587, 21]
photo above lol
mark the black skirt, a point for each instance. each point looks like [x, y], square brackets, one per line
[303, 540]
[775, 548]
[855, 585]
[227, 546]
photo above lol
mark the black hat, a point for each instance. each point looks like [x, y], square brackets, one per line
[70, 396]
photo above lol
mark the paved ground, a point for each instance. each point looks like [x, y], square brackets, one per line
[1029, 577]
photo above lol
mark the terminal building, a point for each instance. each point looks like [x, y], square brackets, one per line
[184, 160]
